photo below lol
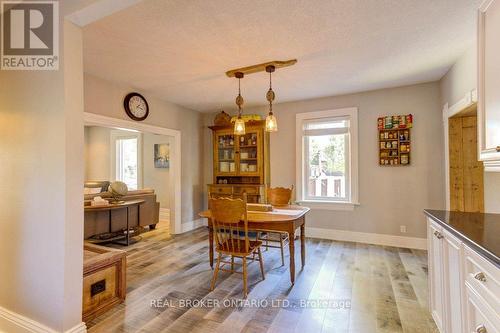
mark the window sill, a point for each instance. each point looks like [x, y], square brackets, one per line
[328, 205]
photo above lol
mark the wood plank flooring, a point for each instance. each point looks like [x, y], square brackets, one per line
[383, 289]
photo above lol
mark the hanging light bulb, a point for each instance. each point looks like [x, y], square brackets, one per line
[239, 124]
[271, 123]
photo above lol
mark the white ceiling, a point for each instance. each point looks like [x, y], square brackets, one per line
[180, 50]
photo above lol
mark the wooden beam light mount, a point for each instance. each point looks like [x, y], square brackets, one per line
[261, 67]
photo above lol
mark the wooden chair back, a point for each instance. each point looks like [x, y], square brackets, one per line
[229, 223]
[279, 196]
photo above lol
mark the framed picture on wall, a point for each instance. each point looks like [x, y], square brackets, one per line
[162, 155]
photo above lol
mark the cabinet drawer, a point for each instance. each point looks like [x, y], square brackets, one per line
[246, 189]
[221, 189]
[483, 277]
[481, 318]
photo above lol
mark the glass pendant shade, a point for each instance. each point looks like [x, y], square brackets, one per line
[271, 123]
[239, 126]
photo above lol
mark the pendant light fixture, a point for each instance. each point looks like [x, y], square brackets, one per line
[271, 123]
[239, 124]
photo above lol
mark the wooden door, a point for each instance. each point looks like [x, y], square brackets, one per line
[466, 172]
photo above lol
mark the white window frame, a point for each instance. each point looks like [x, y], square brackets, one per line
[120, 135]
[352, 200]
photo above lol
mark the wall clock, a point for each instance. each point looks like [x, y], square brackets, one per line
[136, 106]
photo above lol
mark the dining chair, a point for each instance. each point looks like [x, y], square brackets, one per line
[230, 227]
[276, 197]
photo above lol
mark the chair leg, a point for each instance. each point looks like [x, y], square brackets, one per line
[245, 290]
[282, 252]
[261, 263]
[214, 279]
[267, 242]
[232, 264]
[257, 237]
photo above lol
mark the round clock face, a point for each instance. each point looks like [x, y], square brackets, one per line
[136, 106]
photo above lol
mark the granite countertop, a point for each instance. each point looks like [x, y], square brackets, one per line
[479, 231]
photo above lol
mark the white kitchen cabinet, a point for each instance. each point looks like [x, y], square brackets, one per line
[436, 282]
[488, 83]
[481, 318]
[464, 287]
[453, 278]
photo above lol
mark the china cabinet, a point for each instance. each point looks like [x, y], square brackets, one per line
[240, 162]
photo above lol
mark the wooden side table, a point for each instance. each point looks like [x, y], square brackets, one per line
[110, 208]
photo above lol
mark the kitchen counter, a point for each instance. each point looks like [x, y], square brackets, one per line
[479, 231]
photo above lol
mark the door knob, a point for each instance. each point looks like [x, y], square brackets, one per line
[481, 329]
[498, 149]
[480, 276]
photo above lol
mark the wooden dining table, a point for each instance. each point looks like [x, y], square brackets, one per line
[280, 219]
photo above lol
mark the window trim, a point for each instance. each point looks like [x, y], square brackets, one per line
[300, 118]
[116, 135]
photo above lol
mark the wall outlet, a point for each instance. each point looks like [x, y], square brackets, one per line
[402, 228]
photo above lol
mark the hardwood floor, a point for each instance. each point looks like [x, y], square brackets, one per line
[385, 290]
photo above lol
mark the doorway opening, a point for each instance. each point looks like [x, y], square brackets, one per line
[146, 158]
[466, 172]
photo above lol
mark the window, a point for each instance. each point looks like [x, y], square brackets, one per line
[127, 166]
[327, 158]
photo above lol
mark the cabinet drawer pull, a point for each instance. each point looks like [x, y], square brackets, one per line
[480, 276]
[438, 235]
[481, 329]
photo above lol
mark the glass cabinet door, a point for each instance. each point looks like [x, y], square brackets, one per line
[249, 153]
[225, 154]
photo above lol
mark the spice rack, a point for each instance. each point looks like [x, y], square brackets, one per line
[394, 134]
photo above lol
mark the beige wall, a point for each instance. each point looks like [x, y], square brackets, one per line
[389, 196]
[157, 178]
[461, 79]
[97, 153]
[106, 98]
[41, 216]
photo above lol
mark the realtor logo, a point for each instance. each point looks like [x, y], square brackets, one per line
[29, 35]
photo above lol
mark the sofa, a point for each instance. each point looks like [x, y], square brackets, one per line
[98, 222]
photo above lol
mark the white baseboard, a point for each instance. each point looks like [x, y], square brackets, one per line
[188, 226]
[11, 322]
[364, 237]
[80, 328]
